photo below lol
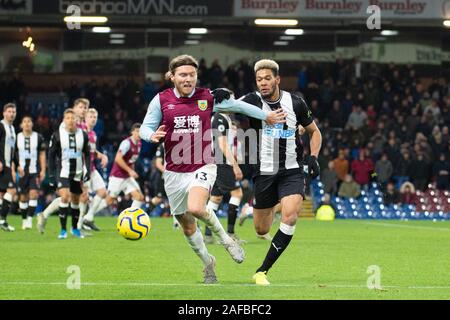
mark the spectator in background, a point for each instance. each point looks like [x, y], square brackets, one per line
[362, 168]
[441, 171]
[74, 92]
[215, 75]
[337, 115]
[349, 188]
[408, 193]
[329, 179]
[357, 118]
[391, 196]
[434, 110]
[403, 167]
[148, 91]
[420, 172]
[384, 170]
[324, 158]
[232, 76]
[203, 76]
[302, 78]
[341, 166]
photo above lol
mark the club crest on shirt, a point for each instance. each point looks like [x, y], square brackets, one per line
[202, 104]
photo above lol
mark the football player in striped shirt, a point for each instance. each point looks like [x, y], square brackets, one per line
[31, 166]
[278, 173]
[7, 168]
[68, 154]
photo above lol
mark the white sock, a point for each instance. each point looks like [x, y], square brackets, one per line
[211, 220]
[52, 208]
[198, 245]
[83, 209]
[93, 208]
[102, 205]
[212, 205]
[137, 204]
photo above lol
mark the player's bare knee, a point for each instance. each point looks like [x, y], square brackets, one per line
[65, 198]
[237, 193]
[290, 218]
[216, 199]
[196, 210]
[262, 229]
[34, 195]
[138, 197]
[102, 193]
[84, 198]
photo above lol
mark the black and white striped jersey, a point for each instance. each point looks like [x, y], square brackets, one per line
[7, 143]
[28, 150]
[68, 153]
[222, 127]
[279, 146]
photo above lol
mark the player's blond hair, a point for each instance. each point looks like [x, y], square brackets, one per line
[82, 100]
[267, 64]
[93, 110]
[183, 60]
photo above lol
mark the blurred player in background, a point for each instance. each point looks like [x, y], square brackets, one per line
[80, 107]
[122, 177]
[95, 184]
[228, 174]
[68, 155]
[160, 193]
[31, 166]
[7, 170]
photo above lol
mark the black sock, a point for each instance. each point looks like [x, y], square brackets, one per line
[232, 215]
[75, 217]
[63, 212]
[23, 212]
[208, 231]
[5, 209]
[280, 241]
[31, 211]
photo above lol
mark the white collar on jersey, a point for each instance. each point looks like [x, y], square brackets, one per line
[178, 95]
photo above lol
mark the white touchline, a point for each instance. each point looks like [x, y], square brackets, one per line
[395, 225]
[144, 284]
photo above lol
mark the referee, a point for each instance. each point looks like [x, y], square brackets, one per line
[278, 174]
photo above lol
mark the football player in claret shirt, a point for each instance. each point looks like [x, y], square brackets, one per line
[182, 116]
[122, 177]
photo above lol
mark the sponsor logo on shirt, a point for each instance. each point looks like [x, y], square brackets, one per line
[277, 132]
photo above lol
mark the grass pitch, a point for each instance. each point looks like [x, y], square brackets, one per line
[324, 261]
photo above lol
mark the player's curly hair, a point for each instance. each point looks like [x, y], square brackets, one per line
[183, 60]
[267, 64]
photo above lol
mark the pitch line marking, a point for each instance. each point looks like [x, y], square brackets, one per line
[143, 284]
[394, 225]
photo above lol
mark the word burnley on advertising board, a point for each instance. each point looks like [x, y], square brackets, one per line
[415, 9]
[138, 7]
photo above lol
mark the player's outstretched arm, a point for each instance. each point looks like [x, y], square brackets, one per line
[151, 121]
[237, 106]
